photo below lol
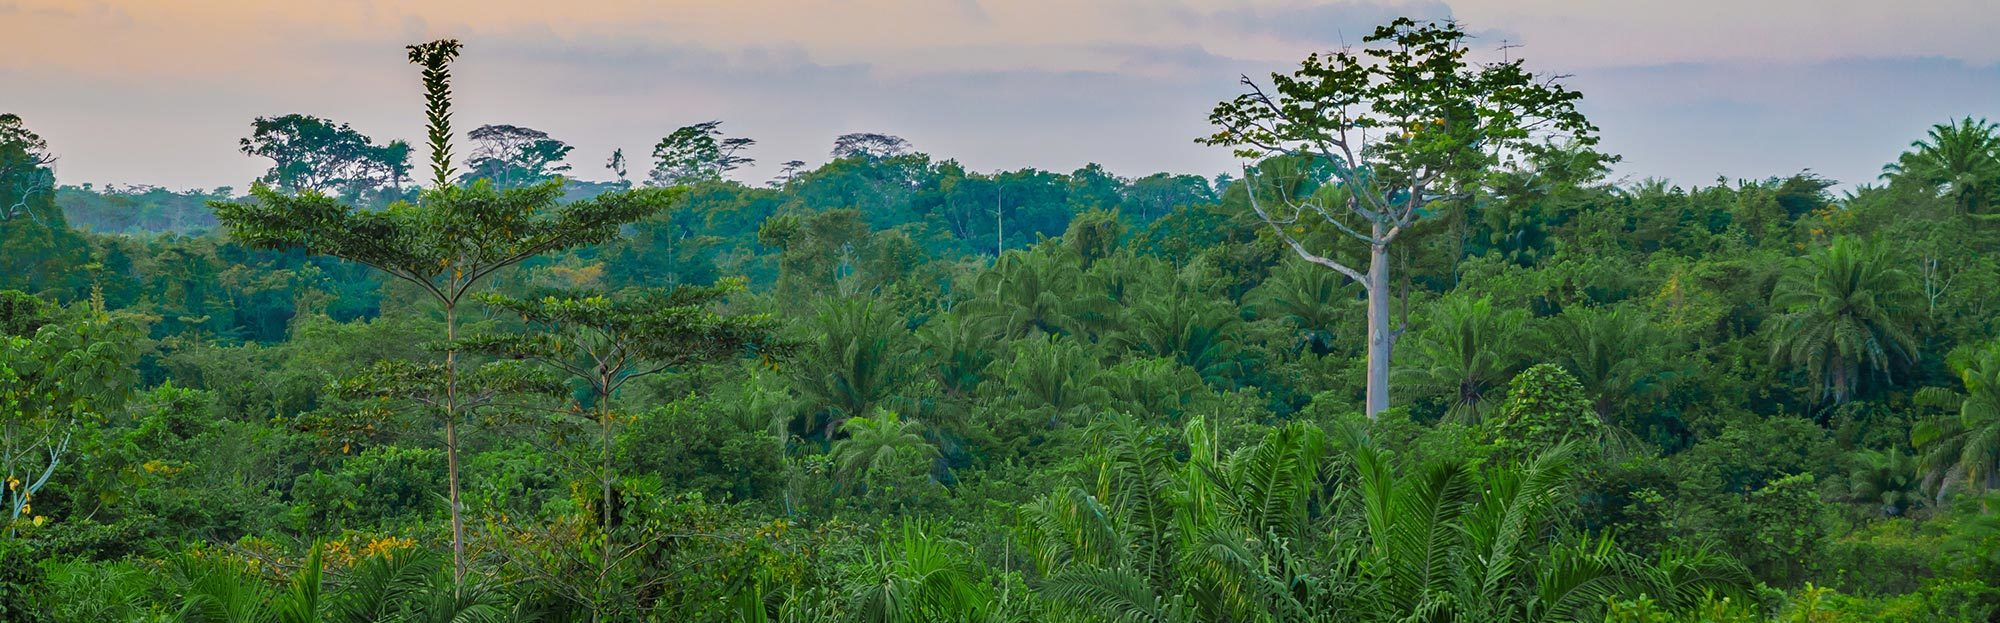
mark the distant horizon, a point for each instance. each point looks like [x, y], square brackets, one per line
[164, 92]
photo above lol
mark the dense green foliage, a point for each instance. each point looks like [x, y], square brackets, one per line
[887, 388]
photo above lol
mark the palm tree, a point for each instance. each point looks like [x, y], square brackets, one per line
[400, 586]
[1613, 352]
[877, 441]
[1457, 549]
[1964, 446]
[854, 361]
[1125, 276]
[960, 351]
[1308, 297]
[1041, 291]
[1213, 538]
[1286, 530]
[1845, 306]
[1887, 479]
[1651, 188]
[384, 587]
[1466, 351]
[924, 577]
[1057, 373]
[99, 591]
[218, 589]
[1961, 159]
[1157, 388]
[1188, 326]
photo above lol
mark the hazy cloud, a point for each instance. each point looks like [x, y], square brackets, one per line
[164, 89]
[973, 10]
[1693, 122]
[1179, 60]
[1330, 23]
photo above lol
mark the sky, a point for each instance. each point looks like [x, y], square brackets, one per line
[158, 92]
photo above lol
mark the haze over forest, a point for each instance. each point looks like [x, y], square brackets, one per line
[1686, 91]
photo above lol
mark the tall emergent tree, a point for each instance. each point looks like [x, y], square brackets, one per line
[445, 243]
[869, 146]
[511, 156]
[697, 153]
[605, 342]
[38, 250]
[309, 152]
[617, 166]
[1403, 123]
[24, 174]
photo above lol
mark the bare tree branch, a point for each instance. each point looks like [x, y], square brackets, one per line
[1296, 246]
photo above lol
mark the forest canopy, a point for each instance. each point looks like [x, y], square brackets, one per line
[1420, 358]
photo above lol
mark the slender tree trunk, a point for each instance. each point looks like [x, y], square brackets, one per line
[451, 442]
[999, 228]
[1381, 337]
[604, 481]
[1841, 389]
[457, 520]
[13, 494]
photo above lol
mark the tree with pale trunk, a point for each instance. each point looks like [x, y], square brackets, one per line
[24, 168]
[510, 156]
[1401, 124]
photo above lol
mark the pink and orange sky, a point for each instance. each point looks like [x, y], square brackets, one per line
[158, 92]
